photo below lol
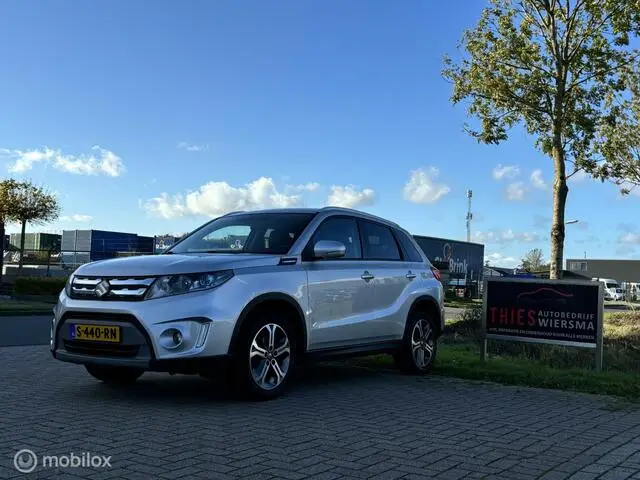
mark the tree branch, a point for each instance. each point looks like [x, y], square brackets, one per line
[604, 72]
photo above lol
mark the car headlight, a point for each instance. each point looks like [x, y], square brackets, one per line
[67, 286]
[169, 285]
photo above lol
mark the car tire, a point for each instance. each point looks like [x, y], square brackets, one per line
[419, 345]
[114, 375]
[269, 336]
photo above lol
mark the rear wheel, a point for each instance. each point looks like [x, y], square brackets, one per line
[419, 346]
[266, 355]
[114, 375]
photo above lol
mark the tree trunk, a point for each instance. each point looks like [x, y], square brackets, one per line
[560, 191]
[1, 249]
[24, 228]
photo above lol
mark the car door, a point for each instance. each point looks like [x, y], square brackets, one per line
[384, 260]
[340, 299]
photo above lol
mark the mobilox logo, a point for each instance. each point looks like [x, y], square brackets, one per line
[26, 461]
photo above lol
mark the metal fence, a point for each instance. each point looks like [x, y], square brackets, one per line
[52, 263]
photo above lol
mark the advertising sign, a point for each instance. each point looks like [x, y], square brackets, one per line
[561, 312]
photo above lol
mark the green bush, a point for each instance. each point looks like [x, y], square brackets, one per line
[38, 286]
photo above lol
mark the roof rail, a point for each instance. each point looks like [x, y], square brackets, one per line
[359, 212]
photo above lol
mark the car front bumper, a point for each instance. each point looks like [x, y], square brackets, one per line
[206, 328]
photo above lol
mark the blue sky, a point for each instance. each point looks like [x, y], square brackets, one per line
[152, 118]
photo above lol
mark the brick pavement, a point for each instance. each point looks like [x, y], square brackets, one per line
[337, 423]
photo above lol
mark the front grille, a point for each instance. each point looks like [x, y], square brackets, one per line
[101, 349]
[124, 289]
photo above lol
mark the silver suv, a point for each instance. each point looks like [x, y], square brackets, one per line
[252, 295]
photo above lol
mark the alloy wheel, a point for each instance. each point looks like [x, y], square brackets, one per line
[269, 356]
[422, 343]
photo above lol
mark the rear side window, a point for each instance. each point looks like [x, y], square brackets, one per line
[378, 242]
[411, 254]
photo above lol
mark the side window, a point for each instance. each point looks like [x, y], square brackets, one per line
[378, 242]
[411, 254]
[343, 230]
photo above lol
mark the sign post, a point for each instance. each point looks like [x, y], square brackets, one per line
[555, 312]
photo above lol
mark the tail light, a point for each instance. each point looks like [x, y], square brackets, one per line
[436, 273]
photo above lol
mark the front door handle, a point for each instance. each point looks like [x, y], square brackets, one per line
[410, 275]
[366, 276]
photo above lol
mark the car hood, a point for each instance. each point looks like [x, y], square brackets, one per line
[174, 264]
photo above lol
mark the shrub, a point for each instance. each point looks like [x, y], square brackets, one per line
[38, 286]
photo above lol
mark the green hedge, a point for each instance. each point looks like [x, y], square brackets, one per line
[38, 286]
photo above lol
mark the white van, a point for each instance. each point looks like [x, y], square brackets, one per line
[631, 291]
[612, 290]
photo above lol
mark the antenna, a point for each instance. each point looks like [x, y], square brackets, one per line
[469, 216]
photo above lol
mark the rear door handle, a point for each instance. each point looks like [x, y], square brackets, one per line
[410, 275]
[366, 276]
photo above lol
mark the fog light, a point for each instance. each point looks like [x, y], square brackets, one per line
[171, 338]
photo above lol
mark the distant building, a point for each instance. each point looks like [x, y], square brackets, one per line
[620, 270]
[162, 242]
[83, 246]
[37, 241]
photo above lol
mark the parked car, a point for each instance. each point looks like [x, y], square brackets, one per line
[254, 294]
[612, 290]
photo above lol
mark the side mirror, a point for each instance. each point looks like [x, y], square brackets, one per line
[328, 249]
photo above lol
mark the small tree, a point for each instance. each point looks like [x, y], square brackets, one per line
[36, 206]
[8, 212]
[533, 260]
[560, 68]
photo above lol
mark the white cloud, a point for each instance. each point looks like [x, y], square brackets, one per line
[505, 171]
[193, 148]
[350, 197]
[500, 260]
[421, 187]
[304, 187]
[537, 181]
[504, 237]
[218, 198]
[630, 237]
[99, 162]
[515, 191]
[76, 218]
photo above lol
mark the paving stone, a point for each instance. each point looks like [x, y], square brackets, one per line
[336, 423]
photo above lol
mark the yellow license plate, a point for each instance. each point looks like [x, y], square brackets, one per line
[95, 333]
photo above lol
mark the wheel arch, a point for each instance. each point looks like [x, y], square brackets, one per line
[429, 305]
[273, 300]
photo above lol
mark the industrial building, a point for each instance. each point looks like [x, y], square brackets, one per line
[620, 270]
[460, 263]
[83, 246]
[37, 241]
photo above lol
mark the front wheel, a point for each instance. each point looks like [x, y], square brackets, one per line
[419, 346]
[114, 375]
[265, 356]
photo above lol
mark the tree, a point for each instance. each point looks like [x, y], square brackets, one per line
[533, 260]
[560, 69]
[8, 204]
[34, 205]
[622, 144]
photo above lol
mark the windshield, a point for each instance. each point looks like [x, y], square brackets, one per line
[612, 285]
[266, 233]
